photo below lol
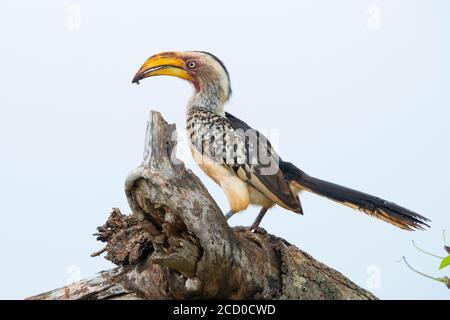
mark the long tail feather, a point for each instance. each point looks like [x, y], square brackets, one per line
[373, 206]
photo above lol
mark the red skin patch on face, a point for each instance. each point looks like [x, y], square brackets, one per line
[192, 72]
[196, 85]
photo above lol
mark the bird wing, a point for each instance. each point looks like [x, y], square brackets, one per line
[235, 145]
[260, 165]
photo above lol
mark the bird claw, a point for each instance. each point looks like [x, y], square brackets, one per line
[252, 228]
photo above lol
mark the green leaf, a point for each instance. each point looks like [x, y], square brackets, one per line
[445, 262]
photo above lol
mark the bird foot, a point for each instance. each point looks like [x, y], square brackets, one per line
[251, 228]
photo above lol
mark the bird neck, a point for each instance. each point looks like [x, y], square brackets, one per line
[211, 98]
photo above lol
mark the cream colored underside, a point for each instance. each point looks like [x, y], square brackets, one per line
[238, 192]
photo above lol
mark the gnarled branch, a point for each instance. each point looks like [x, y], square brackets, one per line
[177, 244]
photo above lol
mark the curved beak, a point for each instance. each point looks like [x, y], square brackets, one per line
[163, 64]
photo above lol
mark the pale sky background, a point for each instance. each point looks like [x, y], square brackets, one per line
[358, 91]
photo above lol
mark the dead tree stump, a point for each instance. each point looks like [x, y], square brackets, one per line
[177, 244]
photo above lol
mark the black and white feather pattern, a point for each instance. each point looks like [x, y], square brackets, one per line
[244, 151]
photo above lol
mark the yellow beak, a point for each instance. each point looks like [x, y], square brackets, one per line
[163, 64]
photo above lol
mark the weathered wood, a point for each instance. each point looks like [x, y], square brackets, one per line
[177, 244]
[104, 285]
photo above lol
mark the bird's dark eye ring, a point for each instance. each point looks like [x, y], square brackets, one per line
[191, 64]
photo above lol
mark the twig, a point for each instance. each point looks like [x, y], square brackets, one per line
[99, 252]
[428, 253]
[446, 247]
[443, 280]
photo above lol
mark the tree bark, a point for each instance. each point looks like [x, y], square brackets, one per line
[177, 244]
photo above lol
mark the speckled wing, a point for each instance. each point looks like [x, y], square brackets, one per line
[234, 144]
[263, 167]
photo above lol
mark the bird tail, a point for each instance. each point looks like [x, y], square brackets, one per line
[373, 206]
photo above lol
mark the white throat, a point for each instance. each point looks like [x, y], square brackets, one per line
[208, 98]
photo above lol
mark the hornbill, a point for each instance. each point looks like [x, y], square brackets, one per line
[240, 159]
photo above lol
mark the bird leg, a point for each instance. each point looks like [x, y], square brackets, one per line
[229, 214]
[258, 219]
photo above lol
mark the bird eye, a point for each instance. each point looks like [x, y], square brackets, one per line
[191, 64]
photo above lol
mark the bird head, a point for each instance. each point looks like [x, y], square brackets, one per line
[204, 70]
